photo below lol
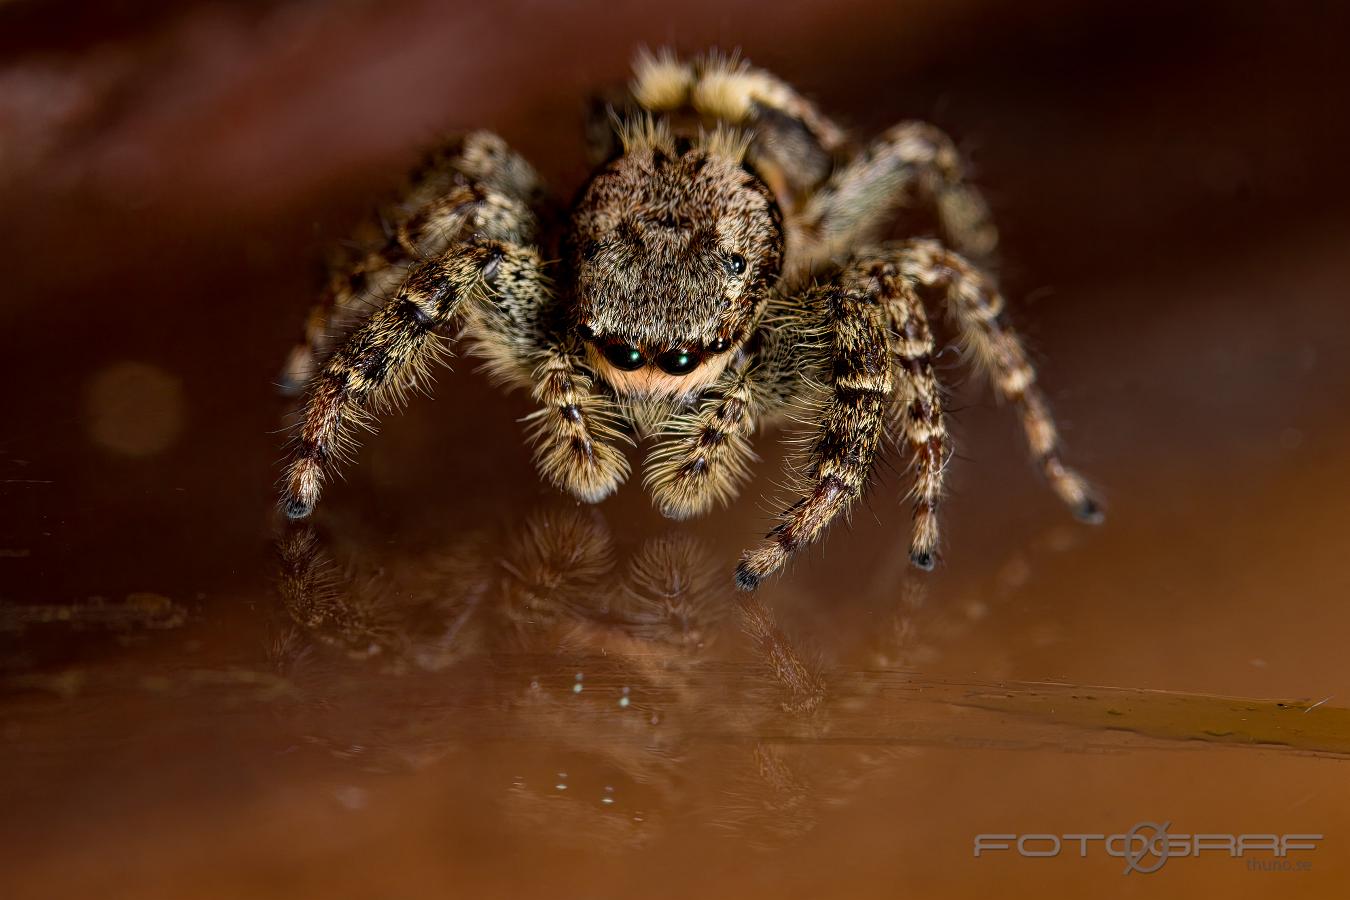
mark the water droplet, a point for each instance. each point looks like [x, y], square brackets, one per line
[351, 797]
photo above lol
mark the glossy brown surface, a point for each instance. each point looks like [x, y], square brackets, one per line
[180, 720]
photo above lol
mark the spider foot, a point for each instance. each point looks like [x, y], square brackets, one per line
[923, 559]
[297, 509]
[746, 579]
[1089, 511]
[303, 483]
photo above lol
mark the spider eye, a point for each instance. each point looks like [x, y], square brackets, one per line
[679, 362]
[624, 357]
[736, 264]
[720, 345]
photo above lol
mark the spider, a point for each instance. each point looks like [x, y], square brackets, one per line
[721, 271]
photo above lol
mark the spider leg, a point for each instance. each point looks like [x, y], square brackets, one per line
[702, 458]
[978, 310]
[918, 403]
[725, 88]
[372, 371]
[498, 294]
[913, 161]
[852, 423]
[795, 144]
[476, 185]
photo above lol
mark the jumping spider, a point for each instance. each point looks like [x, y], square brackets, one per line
[720, 272]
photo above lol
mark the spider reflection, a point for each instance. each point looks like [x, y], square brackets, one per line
[614, 663]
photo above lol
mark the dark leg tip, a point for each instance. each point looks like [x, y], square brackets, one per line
[296, 509]
[1090, 512]
[923, 559]
[745, 579]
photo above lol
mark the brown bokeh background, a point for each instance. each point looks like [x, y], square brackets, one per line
[1171, 184]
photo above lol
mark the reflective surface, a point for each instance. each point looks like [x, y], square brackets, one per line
[457, 683]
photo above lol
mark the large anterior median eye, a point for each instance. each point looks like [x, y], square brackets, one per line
[623, 356]
[679, 362]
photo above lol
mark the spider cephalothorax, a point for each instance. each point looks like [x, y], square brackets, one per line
[722, 272]
[673, 249]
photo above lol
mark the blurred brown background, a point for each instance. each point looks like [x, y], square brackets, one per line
[1171, 184]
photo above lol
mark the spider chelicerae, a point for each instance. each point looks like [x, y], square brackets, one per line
[721, 271]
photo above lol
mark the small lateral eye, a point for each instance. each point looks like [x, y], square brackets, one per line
[736, 264]
[624, 357]
[679, 362]
[719, 345]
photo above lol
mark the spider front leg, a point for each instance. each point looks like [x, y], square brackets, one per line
[852, 413]
[702, 458]
[476, 185]
[913, 161]
[978, 310]
[388, 354]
